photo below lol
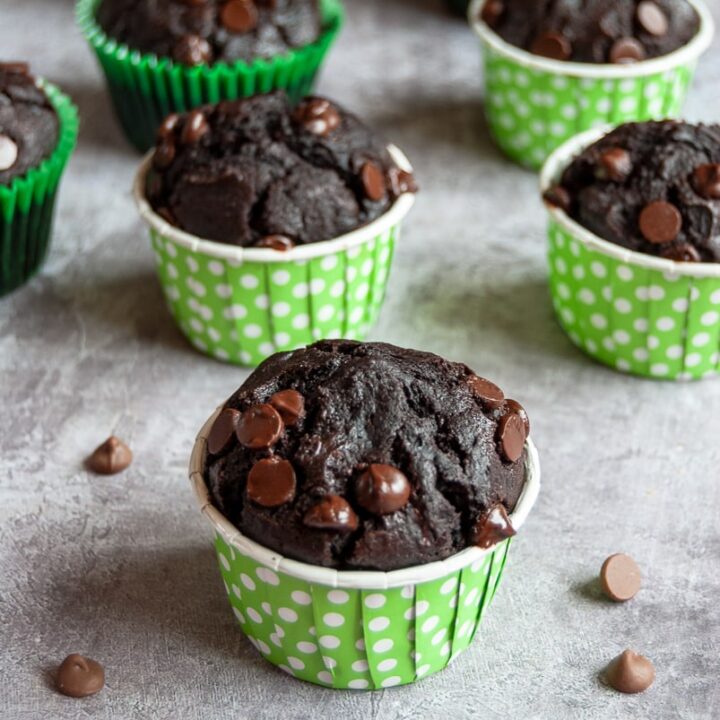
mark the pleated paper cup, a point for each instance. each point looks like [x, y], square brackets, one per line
[356, 629]
[241, 305]
[534, 104]
[146, 88]
[637, 313]
[27, 204]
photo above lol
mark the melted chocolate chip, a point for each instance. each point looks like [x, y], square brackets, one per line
[552, 45]
[511, 436]
[492, 12]
[317, 115]
[660, 222]
[239, 16]
[627, 50]
[79, 676]
[630, 673]
[489, 394]
[514, 406]
[166, 129]
[110, 458]
[223, 431]
[271, 482]
[557, 196]
[259, 427]
[620, 577]
[281, 243]
[373, 181]
[382, 489]
[195, 127]
[164, 154]
[493, 527]
[614, 164]
[652, 19]
[192, 50]
[682, 252]
[8, 152]
[706, 180]
[401, 182]
[290, 404]
[332, 513]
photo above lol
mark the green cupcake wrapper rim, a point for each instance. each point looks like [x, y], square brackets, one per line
[356, 629]
[534, 104]
[637, 313]
[27, 203]
[146, 88]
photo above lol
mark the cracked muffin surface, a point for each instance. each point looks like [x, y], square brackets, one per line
[367, 456]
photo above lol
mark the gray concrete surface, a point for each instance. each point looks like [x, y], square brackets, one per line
[121, 568]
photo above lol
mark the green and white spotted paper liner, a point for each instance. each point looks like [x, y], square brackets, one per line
[241, 305]
[637, 313]
[357, 630]
[534, 105]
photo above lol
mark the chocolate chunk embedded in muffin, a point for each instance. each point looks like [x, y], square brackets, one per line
[594, 31]
[376, 457]
[201, 32]
[28, 123]
[650, 187]
[257, 172]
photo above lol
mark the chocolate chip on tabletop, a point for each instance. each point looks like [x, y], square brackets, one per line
[620, 577]
[79, 676]
[109, 458]
[630, 673]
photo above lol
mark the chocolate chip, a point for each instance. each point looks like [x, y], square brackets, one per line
[17, 67]
[79, 676]
[489, 394]
[620, 577]
[401, 182]
[652, 19]
[317, 115]
[373, 181]
[627, 50]
[382, 489]
[290, 404]
[195, 127]
[192, 50]
[259, 427]
[493, 527]
[614, 164]
[557, 196]
[682, 252]
[552, 45]
[660, 222]
[110, 458]
[276, 242]
[239, 16]
[166, 215]
[271, 482]
[511, 436]
[332, 513]
[515, 407]
[492, 12]
[166, 129]
[8, 152]
[630, 673]
[222, 431]
[164, 154]
[706, 180]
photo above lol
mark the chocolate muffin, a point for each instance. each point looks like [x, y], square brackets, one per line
[255, 172]
[594, 31]
[28, 122]
[651, 187]
[367, 456]
[201, 32]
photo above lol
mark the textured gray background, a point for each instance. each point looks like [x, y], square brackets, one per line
[122, 569]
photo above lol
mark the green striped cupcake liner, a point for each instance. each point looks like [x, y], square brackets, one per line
[27, 204]
[146, 88]
[241, 305]
[534, 104]
[356, 629]
[636, 313]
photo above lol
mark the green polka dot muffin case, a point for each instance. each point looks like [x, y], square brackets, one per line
[534, 104]
[636, 313]
[356, 630]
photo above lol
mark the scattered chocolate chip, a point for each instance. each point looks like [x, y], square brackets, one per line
[682, 252]
[259, 427]
[493, 527]
[110, 458]
[373, 181]
[164, 154]
[192, 50]
[79, 676]
[652, 19]
[706, 180]
[558, 197]
[195, 127]
[614, 164]
[511, 436]
[275, 242]
[271, 482]
[627, 50]
[17, 67]
[660, 222]
[620, 577]
[222, 431]
[630, 673]
[166, 129]
[8, 152]
[382, 489]
[489, 394]
[317, 115]
[332, 513]
[492, 12]
[515, 407]
[239, 16]
[290, 404]
[552, 45]
[401, 182]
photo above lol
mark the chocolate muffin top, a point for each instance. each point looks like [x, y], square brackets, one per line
[653, 187]
[28, 123]
[255, 172]
[201, 32]
[594, 31]
[367, 456]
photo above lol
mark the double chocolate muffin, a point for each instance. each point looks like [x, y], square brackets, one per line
[367, 456]
[594, 31]
[651, 187]
[28, 123]
[256, 172]
[201, 32]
